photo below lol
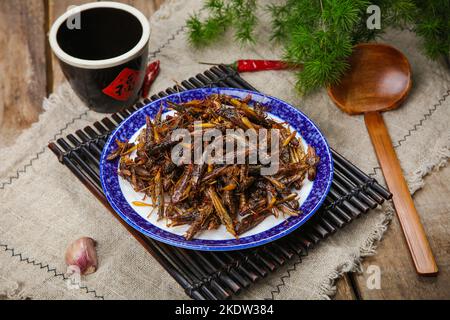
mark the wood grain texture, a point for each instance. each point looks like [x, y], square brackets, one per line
[344, 289]
[404, 205]
[58, 7]
[379, 79]
[22, 65]
[398, 279]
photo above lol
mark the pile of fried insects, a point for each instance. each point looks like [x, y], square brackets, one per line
[206, 195]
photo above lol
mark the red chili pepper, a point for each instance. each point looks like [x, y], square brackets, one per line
[252, 65]
[150, 75]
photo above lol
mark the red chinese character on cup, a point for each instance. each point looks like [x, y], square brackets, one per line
[122, 87]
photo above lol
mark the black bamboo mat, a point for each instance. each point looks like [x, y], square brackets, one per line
[221, 275]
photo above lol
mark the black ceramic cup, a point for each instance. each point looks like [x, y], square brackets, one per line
[102, 48]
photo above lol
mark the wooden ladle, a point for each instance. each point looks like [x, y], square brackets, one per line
[379, 79]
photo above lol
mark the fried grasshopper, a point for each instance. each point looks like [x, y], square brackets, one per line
[206, 195]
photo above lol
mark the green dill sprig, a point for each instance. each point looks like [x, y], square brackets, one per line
[320, 34]
[240, 14]
[433, 25]
[202, 33]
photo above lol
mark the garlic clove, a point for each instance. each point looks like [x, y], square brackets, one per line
[81, 254]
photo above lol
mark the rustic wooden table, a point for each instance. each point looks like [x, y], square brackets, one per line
[29, 73]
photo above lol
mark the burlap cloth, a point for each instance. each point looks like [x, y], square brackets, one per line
[44, 207]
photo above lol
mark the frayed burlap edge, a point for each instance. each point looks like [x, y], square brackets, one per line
[14, 291]
[328, 286]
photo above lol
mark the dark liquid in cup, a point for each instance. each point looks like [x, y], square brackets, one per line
[104, 33]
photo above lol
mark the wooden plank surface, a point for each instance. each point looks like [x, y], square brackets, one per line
[398, 277]
[23, 77]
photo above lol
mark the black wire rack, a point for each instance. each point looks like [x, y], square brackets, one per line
[221, 275]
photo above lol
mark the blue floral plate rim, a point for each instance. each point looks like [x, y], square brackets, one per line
[298, 120]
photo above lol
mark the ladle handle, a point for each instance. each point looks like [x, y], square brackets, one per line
[407, 214]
